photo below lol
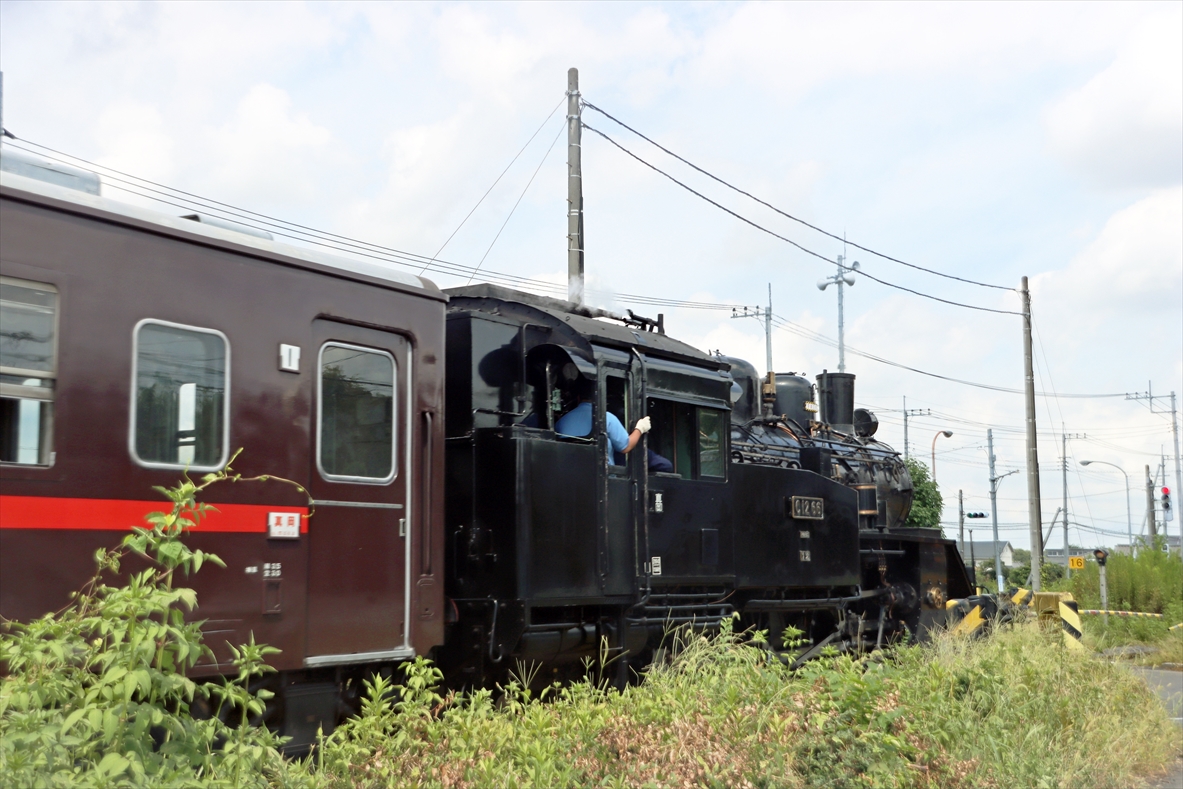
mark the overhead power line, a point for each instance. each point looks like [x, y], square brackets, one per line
[789, 241]
[809, 334]
[785, 214]
[516, 204]
[189, 201]
[439, 251]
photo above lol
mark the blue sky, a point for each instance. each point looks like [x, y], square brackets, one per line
[989, 141]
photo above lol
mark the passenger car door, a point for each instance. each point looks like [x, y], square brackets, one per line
[362, 483]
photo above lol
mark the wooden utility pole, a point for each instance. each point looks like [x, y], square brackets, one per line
[574, 190]
[1034, 509]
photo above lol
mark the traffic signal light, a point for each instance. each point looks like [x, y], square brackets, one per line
[1168, 514]
[1102, 555]
[975, 514]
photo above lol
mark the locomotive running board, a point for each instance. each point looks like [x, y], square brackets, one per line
[400, 653]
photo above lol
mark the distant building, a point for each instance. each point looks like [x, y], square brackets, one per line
[1172, 545]
[1056, 555]
[981, 551]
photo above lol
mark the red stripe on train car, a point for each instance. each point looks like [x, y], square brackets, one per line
[46, 512]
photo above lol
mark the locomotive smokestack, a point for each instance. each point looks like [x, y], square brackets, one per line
[574, 191]
[835, 394]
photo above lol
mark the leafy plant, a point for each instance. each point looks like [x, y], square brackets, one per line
[926, 497]
[97, 693]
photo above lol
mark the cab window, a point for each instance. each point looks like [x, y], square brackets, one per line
[616, 403]
[690, 437]
[180, 412]
[28, 370]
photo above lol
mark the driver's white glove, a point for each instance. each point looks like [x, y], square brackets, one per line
[644, 425]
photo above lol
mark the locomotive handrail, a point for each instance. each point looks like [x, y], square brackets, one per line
[425, 509]
[495, 412]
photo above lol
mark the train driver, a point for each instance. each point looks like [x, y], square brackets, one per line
[578, 421]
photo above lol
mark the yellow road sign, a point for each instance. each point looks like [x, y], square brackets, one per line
[1075, 562]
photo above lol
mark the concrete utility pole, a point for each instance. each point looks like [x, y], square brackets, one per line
[994, 510]
[768, 330]
[1064, 466]
[845, 276]
[1150, 397]
[1153, 528]
[961, 525]
[1034, 505]
[574, 190]
[907, 413]
[765, 315]
[1178, 477]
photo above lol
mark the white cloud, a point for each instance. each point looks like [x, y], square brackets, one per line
[937, 133]
[1124, 127]
[134, 138]
[266, 148]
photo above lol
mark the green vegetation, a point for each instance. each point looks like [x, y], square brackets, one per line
[926, 498]
[1152, 583]
[1006, 711]
[96, 695]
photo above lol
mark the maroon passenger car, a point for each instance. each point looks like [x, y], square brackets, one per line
[135, 345]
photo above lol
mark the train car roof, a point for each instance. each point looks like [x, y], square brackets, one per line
[32, 190]
[597, 327]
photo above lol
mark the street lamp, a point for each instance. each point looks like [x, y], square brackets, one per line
[844, 276]
[1129, 520]
[994, 515]
[946, 434]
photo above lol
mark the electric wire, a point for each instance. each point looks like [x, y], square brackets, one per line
[490, 189]
[516, 204]
[785, 214]
[155, 191]
[789, 241]
[809, 334]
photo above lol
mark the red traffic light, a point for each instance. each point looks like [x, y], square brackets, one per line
[1166, 491]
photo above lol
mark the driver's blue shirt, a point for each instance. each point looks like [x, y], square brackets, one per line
[578, 422]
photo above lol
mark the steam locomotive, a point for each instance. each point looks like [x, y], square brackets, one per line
[451, 519]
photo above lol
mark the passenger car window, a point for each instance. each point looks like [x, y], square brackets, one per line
[28, 370]
[356, 414]
[180, 415]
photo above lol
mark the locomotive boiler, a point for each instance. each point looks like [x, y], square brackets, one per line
[451, 518]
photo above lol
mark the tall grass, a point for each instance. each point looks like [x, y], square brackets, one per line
[1014, 710]
[1151, 583]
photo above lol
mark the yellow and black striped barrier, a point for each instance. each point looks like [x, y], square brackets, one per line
[1052, 606]
[1119, 613]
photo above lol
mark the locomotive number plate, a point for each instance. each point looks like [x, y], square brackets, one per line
[809, 509]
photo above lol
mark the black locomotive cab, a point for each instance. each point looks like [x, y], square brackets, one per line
[558, 541]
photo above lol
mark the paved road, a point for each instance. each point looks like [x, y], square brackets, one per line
[1169, 685]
